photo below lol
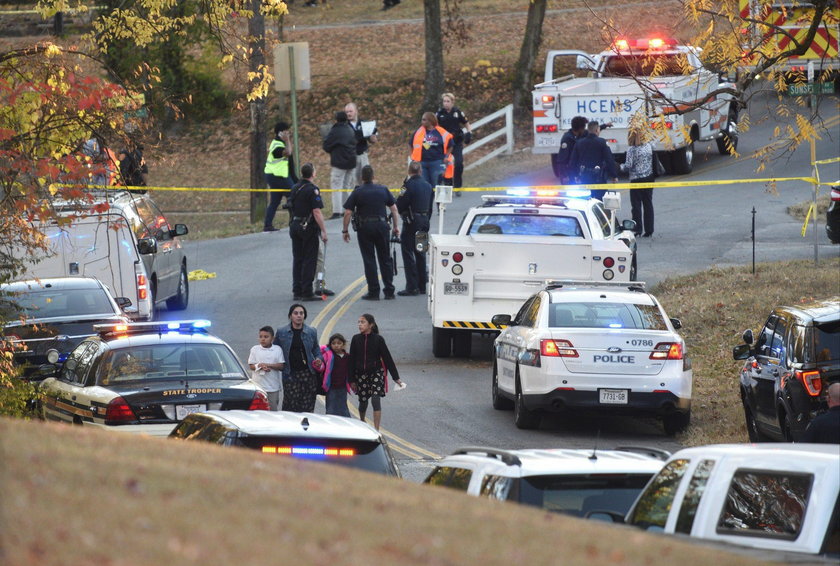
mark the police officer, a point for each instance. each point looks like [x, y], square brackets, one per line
[279, 174]
[451, 118]
[370, 204]
[825, 428]
[306, 224]
[593, 161]
[415, 206]
[560, 160]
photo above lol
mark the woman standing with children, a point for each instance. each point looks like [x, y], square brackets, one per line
[370, 362]
[303, 361]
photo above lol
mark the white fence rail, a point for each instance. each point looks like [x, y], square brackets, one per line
[506, 130]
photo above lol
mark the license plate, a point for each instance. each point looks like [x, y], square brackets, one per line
[181, 411]
[546, 141]
[456, 288]
[612, 396]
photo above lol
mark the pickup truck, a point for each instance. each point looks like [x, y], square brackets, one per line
[648, 79]
[508, 247]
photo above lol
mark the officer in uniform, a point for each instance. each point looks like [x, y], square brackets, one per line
[560, 160]
[593, 161]
[415, 206]
[306, 224]
[370, 204]
[451, 118]
[279, 174]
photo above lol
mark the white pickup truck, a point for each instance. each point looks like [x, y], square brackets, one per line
[506, 249]
[674, 80]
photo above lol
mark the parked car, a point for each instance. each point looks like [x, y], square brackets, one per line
[320, 438]
[573, 482]
[777, 497]
[592, 346]
[832, 216]
[54, 314]
[147, 377]
[788, 369]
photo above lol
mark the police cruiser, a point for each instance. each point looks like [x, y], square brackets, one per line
[146, 377]
[594, 346]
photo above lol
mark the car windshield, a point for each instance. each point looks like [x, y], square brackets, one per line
[163, 362]
[362, 454]
[579, 495]
[605, 315]
[644, 65]
[48, 302]
[526, 225]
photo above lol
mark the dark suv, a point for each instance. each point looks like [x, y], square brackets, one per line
[789, 368]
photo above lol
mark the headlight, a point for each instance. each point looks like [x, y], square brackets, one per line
[52, 356]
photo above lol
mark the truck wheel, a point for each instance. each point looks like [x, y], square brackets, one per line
[676, 422]
[682, 159]
[499, 403]
[462, 343]
[728, 142]
[753, 432]
[522, 417]
[441, 342]
[180, 301]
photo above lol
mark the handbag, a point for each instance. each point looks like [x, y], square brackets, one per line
[658, 168]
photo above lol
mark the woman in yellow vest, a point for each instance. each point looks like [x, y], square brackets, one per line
[278, 172]
[429, 146]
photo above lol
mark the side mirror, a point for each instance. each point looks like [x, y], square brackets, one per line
[677, 323]
[147, 246]
[501, 319]
[741, 352]
[628, 225]
[123, 302]
[180, 230]
[748, 336]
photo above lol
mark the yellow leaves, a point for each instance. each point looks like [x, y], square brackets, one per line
[226, 59]
[274, 8]
[53, 50]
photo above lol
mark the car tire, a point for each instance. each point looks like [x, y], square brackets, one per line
[730, 134]
[787, 428]
[522, 417]
[682, 159]
[500, 403]
[182, 298]
[676, 422]
[441, 342]
[461, 343]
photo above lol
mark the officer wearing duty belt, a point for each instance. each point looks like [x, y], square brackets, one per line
[306, 224]
[593, 161]
[415, 206]
[561, 161]
[370, 204]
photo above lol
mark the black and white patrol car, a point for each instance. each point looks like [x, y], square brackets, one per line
[147, 377]
[592, 346]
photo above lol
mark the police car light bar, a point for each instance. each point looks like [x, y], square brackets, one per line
[572, 283]
[182, 326]
[644, 43]
[308, 451]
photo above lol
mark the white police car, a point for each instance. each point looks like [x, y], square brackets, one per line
[603, 347]
[146, 377]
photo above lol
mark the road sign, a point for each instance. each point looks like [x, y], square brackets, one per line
[806, 89]
[283, 71]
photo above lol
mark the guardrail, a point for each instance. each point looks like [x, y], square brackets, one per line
[506, 130]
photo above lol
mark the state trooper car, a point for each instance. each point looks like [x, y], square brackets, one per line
[146, 377]
[598, 346]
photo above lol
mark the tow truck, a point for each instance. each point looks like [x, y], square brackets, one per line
[506, 248]
[651, 79]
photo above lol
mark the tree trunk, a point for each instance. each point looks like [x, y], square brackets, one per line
[523, 82]
[257, 131]
[434, 56]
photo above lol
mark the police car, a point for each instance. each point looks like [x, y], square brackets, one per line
[593, 346]
[146, 377]
[281, 434]
[574, 482]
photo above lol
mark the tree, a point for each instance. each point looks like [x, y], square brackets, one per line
[434, 83]
[523, 80]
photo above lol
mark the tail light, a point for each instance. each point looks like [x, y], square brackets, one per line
[669, 125]
[259, 402]
[457, 257]
[547, 129]
[142, 287]
[667, 351]
[835, 194]
[811, 381]
[548, 100]
[557, 349]
[609, 262]
[119, 411]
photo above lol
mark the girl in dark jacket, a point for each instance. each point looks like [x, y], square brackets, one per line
[370, 362]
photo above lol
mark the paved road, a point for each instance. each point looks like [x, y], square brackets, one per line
[447, 402]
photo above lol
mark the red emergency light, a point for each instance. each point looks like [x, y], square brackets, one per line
[644, 43]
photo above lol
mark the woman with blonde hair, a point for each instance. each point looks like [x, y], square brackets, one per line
[640, 165]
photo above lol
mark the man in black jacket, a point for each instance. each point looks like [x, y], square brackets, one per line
[415, 206]
[825, 428]
[560, 161]
[592, 160]
[340, 143]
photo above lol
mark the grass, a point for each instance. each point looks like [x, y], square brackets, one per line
[715, 307]
[79, 496]
[800, 211]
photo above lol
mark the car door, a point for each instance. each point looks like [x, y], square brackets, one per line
[64, 397]
[507, 348]
[764, 373]
[159, 265]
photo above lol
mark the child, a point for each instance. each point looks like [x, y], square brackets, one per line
[336, 369]
[266, 359]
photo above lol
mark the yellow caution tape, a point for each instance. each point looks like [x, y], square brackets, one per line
[826, 161]
[200, 275]
[807, 218]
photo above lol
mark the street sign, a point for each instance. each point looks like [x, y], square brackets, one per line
[807, 89]
[283, 71]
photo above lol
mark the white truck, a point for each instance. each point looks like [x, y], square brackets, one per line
[674, 82]
[505, 250]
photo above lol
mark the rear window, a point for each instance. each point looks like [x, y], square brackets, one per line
[368, 455]
[48, 303]
[767, 504]
[526, 225]
[643, 65]
[165, 362]
[606, 315]
[580, 494]
[826, 342]
[456, 478]
[654, 505]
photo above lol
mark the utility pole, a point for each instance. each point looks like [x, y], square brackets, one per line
[257, 130]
